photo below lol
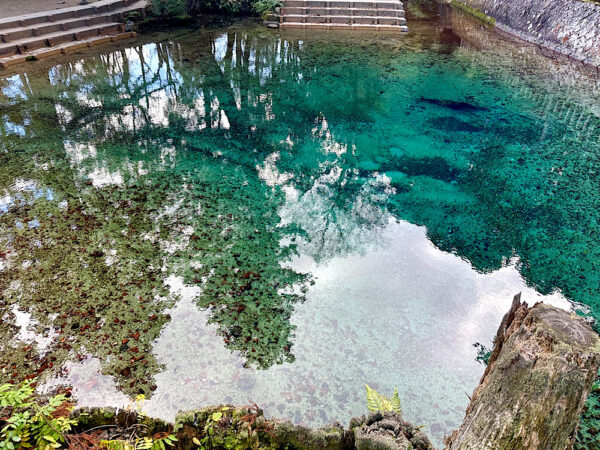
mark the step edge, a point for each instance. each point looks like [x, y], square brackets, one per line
[21, 58]
[71, 19]
[50, 13]
[57, 34]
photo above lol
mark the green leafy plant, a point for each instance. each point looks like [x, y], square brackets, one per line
[167, 9]
[230, 6]
[588, 431]
[130, 439]
[133, 16]
[241, 428]
[195, 7]
[212, 421]
[141, 443]
[379, 402]
[261, 7]
[31, 422]
[483, 353]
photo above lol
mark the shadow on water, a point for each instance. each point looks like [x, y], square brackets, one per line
[231, 167]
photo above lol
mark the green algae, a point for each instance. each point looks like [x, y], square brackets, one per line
[474, 12]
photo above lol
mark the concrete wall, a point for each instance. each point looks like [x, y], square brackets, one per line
[568, 26]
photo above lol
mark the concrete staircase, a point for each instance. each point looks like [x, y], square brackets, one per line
[377, 15]
[48, 33]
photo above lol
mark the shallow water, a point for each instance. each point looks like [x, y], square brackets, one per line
[234, 213]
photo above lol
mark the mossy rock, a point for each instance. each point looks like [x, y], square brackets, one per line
[474, 12]
[88, 418]
[387, 431]
[246, 428]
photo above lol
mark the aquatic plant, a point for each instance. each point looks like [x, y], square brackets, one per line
[379, 402]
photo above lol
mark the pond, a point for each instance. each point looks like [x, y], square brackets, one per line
[233, 213]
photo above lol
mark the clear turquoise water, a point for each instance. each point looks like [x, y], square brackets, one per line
[235, 213]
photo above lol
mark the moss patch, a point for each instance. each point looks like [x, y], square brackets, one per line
[474, 12]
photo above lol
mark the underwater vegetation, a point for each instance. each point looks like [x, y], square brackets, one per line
[203, 164]
[103, 274]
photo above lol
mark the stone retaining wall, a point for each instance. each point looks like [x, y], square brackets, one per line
[245, 427]
[567, 26]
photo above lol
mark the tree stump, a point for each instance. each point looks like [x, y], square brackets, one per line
[535, 385]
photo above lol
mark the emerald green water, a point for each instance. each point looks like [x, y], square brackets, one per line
[234, 213]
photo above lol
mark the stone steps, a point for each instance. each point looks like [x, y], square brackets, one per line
[340, 26]
[40, 29]
[345, 4]
[65, 13]
[344, 12]
[65, 48]
[386, 15]
[344, 20]
[52, 39]
[26, 34]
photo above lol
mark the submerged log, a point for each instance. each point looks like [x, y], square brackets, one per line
[535, 385]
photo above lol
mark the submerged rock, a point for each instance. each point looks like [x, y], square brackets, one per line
[388, 431]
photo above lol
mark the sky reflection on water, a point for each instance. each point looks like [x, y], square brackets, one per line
[232, 214]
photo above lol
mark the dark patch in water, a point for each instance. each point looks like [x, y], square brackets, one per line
[449, 123]
[435, 167]
[453, 105]
[448, 37]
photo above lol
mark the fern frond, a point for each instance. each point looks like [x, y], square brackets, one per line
[379, 402]
[144, 443]
[373, 399]
[395, 402]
